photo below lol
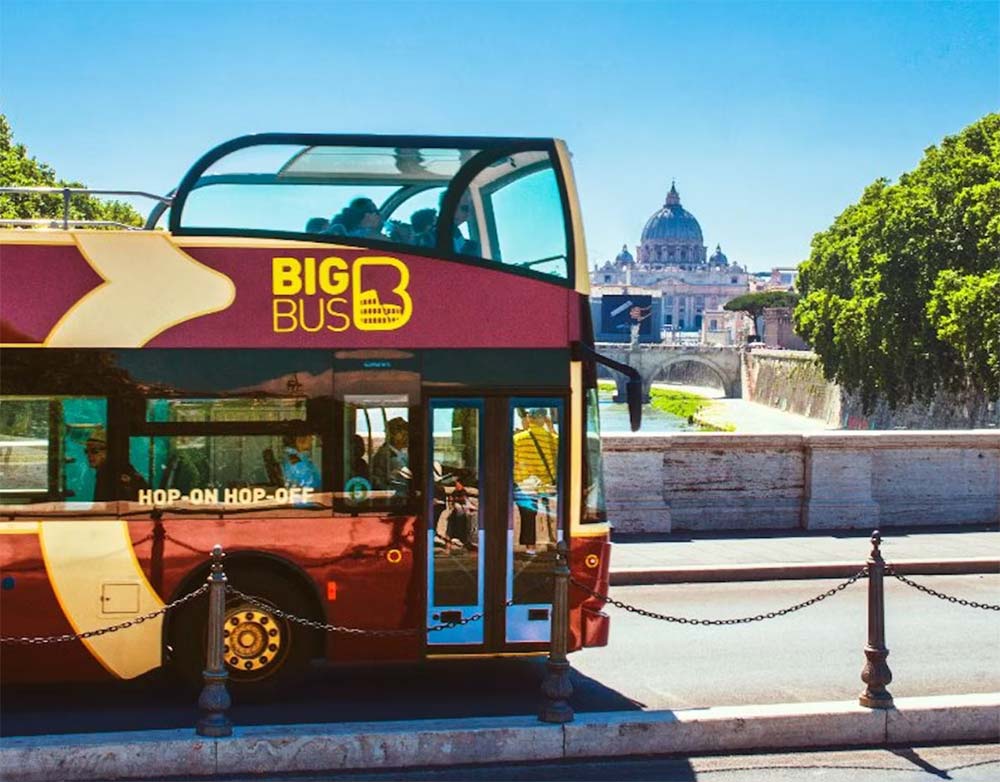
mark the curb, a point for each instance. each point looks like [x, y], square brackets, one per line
[396, 745]
[682, 574]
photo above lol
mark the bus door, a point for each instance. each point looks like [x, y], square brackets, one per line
[535, 515]
[456, 515]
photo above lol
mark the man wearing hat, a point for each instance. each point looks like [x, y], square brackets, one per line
[106, 488]
[389, 469]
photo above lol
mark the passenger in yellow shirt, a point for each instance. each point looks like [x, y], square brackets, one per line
[536, 461]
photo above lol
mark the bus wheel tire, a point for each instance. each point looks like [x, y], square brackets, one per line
[261, 651]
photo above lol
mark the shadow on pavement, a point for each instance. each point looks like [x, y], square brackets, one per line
[436, 689]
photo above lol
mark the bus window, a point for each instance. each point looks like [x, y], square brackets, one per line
[520, 217]
[456, 539]
[202, 467]
[274, 448]
[54, 450]
[535, 473]
[376, 452]
[594, 509]
[328, 192]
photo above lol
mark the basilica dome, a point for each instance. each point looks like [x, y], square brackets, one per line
[624, 256]
[718, 257]
[672, 223]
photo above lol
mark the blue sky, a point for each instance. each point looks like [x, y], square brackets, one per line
[772, 117]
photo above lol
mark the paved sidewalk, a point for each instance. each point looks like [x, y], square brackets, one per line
[286, 749]
[684, 556]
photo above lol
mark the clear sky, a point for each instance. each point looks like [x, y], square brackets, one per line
[771, 116]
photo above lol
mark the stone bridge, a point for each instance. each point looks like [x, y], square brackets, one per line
[653, 361]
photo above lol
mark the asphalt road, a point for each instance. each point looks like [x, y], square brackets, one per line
[812, 655]
[935, 647]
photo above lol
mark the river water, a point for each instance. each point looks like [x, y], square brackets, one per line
[614, 418]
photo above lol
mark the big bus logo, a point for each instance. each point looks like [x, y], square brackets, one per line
[312, 294]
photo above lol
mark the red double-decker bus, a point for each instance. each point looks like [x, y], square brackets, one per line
[363, 364]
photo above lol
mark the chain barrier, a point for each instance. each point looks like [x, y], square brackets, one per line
[957, 600]
[718, 622]
[58, 639]
[312, 624]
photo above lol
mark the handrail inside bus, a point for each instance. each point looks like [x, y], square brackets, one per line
[67, 194]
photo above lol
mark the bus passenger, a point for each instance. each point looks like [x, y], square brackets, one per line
[106, 488]
[317, 225]
[462, 213]
[423, 223]
[536, 453]
[298, 466]
[359, 467]
[389, 468]
[360, 218]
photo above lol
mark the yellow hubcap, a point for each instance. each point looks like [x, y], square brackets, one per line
[252, 639]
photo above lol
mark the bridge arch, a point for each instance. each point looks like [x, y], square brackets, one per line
[653, 361]
[660, 373]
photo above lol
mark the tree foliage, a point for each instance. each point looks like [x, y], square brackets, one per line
[17, 169]
[754, 304]
[900, 295]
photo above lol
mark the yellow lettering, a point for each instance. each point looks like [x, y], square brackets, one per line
[345, 321]
[286, 276]
[309, 272]
[333, 282]
[302, 316]
[284, 313]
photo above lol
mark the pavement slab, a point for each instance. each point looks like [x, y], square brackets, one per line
[384, 745]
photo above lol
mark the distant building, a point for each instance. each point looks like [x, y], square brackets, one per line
[671, 263]
[778, 279]
[722, 327]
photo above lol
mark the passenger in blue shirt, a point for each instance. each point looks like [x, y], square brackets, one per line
[298, 467]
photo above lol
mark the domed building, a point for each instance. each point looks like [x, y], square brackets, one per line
[670, 264]
[672, 235]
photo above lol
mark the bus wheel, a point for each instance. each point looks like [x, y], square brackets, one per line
[260, 649]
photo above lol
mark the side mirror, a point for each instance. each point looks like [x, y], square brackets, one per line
[633, 394]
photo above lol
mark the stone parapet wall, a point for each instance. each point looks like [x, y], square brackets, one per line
[836, 480]
[792, 380]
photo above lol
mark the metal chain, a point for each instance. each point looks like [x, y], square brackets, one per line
[742, 620]
[328, 628]
[58, 639]
[932, 593]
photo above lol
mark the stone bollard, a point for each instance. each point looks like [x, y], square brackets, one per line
[876, 674]
[214, 699]
[557, 687]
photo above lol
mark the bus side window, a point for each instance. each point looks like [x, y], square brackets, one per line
[51, 449]
[376, 455]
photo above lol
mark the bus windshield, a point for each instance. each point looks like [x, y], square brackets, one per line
[504, 205]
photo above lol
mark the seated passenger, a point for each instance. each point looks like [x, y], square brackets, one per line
[360, 218]
[400, 232]
[111, 485]
[423, 224]
[390, 463]
[298, 466]
[317, 225]
[359, 467]
[462, 214]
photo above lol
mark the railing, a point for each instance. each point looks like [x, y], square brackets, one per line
[67, 194]
[557, 689]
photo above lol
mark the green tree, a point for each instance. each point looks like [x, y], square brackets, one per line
[754, 304]
[17, 169]
[896, 294]
[965, 311]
